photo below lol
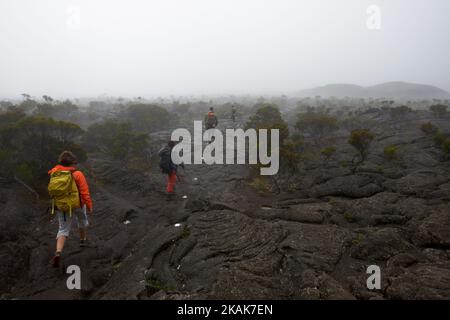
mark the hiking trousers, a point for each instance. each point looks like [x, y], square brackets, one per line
[171, 179]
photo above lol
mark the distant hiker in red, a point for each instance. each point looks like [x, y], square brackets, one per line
[168, 167]
[211, 119]
[70, 196]
[211, 122]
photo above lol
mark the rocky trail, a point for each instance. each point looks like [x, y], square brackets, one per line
[220, 239]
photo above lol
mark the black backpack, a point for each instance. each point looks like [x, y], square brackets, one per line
[165, 161]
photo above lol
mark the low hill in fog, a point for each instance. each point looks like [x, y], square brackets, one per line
[387, 90]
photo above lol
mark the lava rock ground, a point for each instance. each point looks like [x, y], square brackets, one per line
[224, 240]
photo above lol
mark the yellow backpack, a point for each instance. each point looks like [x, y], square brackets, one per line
[63, 191]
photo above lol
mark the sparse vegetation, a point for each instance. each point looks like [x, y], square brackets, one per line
[439, 110]
[260, 184]
[316, 125]
[429, 128]
[446, 147]
[361, 139]
[390, 152]
[153, 286]
[290, 154]
[439, 138]
[309, 168]
[268, 116]
[356, 241]
[185, 233]
[349, 217]
[147, 117]
[328, 152]
[29, 144]
[399, 112]
[117, 140]
[344, 163]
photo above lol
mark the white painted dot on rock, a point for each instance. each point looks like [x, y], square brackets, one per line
[127, 222]
[184, 197]
[177, 225]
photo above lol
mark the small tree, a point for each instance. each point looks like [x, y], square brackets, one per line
[29, 145]
[117, 140]
[290, 156]
[147, 117]
[268, 116]
[446, 148]
[47, 99]
[429, 128]
[328, 152]
[439, 110]
[361, 139]
[317, 125]
[400, 112]
[439, 138]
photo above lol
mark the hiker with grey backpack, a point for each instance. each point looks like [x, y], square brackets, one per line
[168, 167]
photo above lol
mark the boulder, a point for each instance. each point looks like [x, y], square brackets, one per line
[421, 281]
[434, 231]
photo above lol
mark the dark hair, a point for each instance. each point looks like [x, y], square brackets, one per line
[67, 158]
[211, 108]
[171, 143]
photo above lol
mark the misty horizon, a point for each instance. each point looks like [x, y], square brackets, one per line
[153, 48]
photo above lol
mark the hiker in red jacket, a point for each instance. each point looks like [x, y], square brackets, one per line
[211, 120]
[67, 162]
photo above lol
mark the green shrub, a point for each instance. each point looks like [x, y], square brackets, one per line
[358, 239]
[439, 138]
[344, 163]
[429, 128]
[446, 146]
[118, 140]
[25, 171]
[328, 152]
[399, 112]
[290, 155]
[390, 152]
[30, 145]
[260, 184]
[268, 116]
[147, 117]
[185, 233]
[317, 125]
[439, 110]
[349, 217]
[291, 187]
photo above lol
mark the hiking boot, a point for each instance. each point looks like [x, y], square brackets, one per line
[83, 243]
[56, 260]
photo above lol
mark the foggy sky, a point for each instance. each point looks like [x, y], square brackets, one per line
[149, 48]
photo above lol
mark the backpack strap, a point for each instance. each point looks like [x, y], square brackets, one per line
[79, 195]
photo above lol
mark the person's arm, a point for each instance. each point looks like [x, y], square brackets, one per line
[83, 189]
